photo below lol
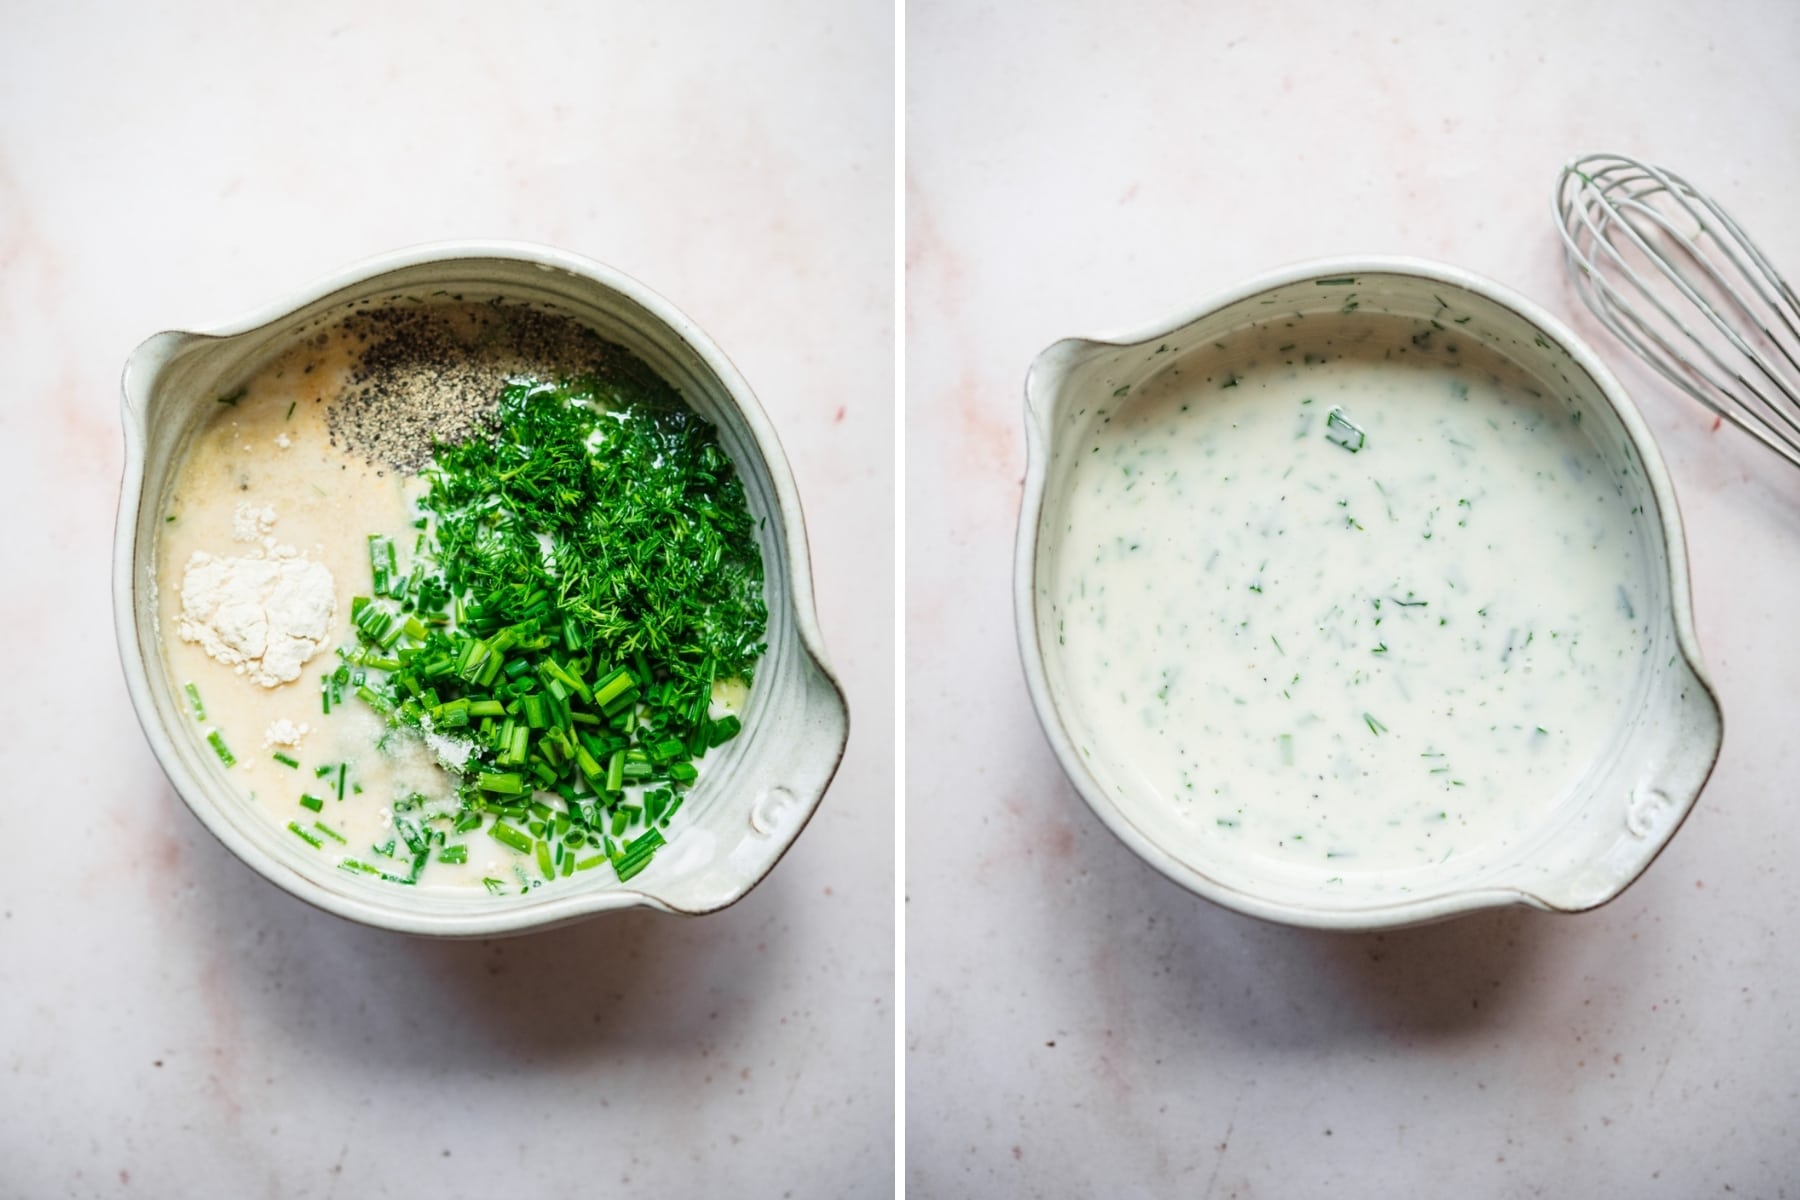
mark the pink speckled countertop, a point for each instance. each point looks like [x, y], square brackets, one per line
[172, 1025]
[1078, 1026]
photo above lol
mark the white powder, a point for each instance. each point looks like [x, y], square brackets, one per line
[249, 522]
[265, 616]
[283, 732]
[283, 440]
[451, 752]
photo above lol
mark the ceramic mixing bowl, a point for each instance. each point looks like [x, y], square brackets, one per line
[758, 791]
[1593, 839]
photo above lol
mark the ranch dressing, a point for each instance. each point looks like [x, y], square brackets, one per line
[1347, 659]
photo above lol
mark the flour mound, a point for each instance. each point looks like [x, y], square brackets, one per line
[264, 616]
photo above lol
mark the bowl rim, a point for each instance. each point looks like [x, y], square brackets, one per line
[1400, 913]
[551, 911]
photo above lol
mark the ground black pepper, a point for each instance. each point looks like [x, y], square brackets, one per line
[425, 373]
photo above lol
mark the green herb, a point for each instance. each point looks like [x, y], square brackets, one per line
[506, 835]
[636, 856]
[458, 853]
[1375, 727]
[309, 839]
[586, 576]
[217, 742]
[193, 695]
[285, 761]
[1343, 431]
[312, 803]
[329, 832]
[1339, 281]
[292, 404]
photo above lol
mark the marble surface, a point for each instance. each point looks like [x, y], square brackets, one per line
[1075, 1024]
[172, 1025]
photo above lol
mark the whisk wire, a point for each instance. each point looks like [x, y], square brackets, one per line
[1612, 210]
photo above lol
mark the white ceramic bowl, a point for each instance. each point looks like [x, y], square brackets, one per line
[1600, 835]
[756, 794]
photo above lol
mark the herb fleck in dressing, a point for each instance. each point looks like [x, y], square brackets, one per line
[1351, 596]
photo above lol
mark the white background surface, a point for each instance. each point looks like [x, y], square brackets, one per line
[1078, 1026]
[169, 1023]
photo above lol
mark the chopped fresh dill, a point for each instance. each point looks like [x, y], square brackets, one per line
[585, 577]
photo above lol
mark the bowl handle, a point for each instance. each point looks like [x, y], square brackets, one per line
[1649, 802]
[711, 866]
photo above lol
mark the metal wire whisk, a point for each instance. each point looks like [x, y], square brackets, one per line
[1676, 279]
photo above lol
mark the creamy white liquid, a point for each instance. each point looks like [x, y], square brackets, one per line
[1346, 662]
[270, 449]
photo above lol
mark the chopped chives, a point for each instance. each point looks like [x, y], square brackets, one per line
[285, 761]
[193, 695]
[1342, 431]
[343, 770]
[509, 626]
[309, 839]
[217, 742]
[458, 853]
[329, 832]
[636, 856]
[311, 803]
